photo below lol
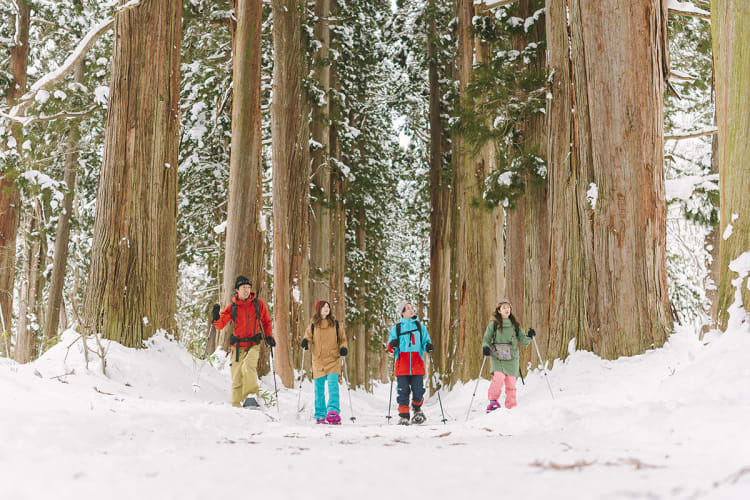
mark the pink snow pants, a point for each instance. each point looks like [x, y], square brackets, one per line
[496, 388]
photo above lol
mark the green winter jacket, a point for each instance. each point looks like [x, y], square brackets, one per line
[505, 335]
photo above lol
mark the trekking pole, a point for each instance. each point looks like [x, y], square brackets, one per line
[475, 387]
[390, 396]
[349, 390]
[275, 389]
[196, 384]
[432, 364]
[546, 376]
[301, 378]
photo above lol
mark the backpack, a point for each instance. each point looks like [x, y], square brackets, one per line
[256, 305]
[398, 329]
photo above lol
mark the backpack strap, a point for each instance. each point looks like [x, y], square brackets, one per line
[312, 331]
[337, 332]
[234, 313]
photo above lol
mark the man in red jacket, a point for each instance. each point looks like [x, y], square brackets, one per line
[251, 321]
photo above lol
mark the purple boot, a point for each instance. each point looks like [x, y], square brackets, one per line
[494, 405]
[333, 418]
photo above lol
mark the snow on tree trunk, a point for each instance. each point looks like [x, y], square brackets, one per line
[321, 230]
[527, 245]
[9, 195]
[476, 248]
[440, 221]
[730, 34]
[291, 180]
[608, 259]
[245, 240]
[62, 235]
[133, 275]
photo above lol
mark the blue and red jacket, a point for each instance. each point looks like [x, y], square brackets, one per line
[246, 319]
[412, 339]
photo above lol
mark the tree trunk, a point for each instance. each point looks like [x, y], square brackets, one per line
[476, 248]
[291, 179]
[730, 34]
[26, 339]
[133, 276]
[440, 211]
[245, 238]
[321, 224]
[608, 260]
[527, 258]
[713, 242]
[9, 195]
[62, 236]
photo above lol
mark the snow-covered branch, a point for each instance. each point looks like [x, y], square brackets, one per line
[687, 9]
[71, 61]
[691, 135]
[491, 4]
[25, 120]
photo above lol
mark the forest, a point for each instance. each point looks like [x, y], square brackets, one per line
[589, 161]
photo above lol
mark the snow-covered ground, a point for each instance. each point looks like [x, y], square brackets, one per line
[671, 423]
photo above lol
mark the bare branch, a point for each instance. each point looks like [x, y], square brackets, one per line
[25, 120]
[691, 135]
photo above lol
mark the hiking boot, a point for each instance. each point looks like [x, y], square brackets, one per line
[419, 417]
[333, 418]
[494, 405]
[251, 403]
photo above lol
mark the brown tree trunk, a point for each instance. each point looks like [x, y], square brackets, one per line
[62, 236]
[291, 180]
[245, 238]
[9, 195]
[25, 338]
[730, 35]
[133, 276]
[321, 224]
[608, 260]
[527, 258]
[440, 220]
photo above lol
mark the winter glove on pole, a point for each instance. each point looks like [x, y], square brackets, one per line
[343, 351]
[215, 312]
[393, 343]
[486, 350]
[531, 333]
[304, 344]
[270, 341]
[428, 347]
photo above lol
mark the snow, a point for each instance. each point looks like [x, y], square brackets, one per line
[670, 423]
[727, 232]
[685, 7]
[592, 195]
[683, 187]
[101, 95]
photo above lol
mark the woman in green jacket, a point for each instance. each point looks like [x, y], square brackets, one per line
[501, 339]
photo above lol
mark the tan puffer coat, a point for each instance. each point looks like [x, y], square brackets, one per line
[325, 350]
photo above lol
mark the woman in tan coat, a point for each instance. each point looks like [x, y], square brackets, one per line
[328, 342]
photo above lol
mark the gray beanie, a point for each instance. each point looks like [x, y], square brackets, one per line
[504, 301]
[400, 307]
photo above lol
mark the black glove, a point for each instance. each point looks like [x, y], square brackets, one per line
[304, 344]
[531, 333]
[343, 351]
[256, 338]
[428, 347]
[233, 339]
[393, 343]
[270, 341]
[215, 312]
[486, 350]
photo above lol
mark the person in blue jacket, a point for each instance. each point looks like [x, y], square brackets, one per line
[408, 340]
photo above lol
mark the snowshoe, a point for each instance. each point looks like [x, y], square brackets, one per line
[403, 421]
[494, 405]
[333, 418]
[321, 421]
[418, 418]
[251, 404]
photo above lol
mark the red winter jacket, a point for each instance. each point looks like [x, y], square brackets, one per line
[246, 319]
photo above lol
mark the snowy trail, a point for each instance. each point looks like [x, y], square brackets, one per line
[672, 423]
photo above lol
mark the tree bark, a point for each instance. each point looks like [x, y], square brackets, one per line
[440, 213]
[608, 260]
[26, 339]
[245, 237]
[291, 180]
[321, 224]
[9, 195]
[133, 276]
[62, 236]
[730, 35]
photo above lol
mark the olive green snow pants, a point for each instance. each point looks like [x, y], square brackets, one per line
[244, 374]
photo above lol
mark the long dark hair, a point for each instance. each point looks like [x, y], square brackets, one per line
[499, 319]
[317, 318]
